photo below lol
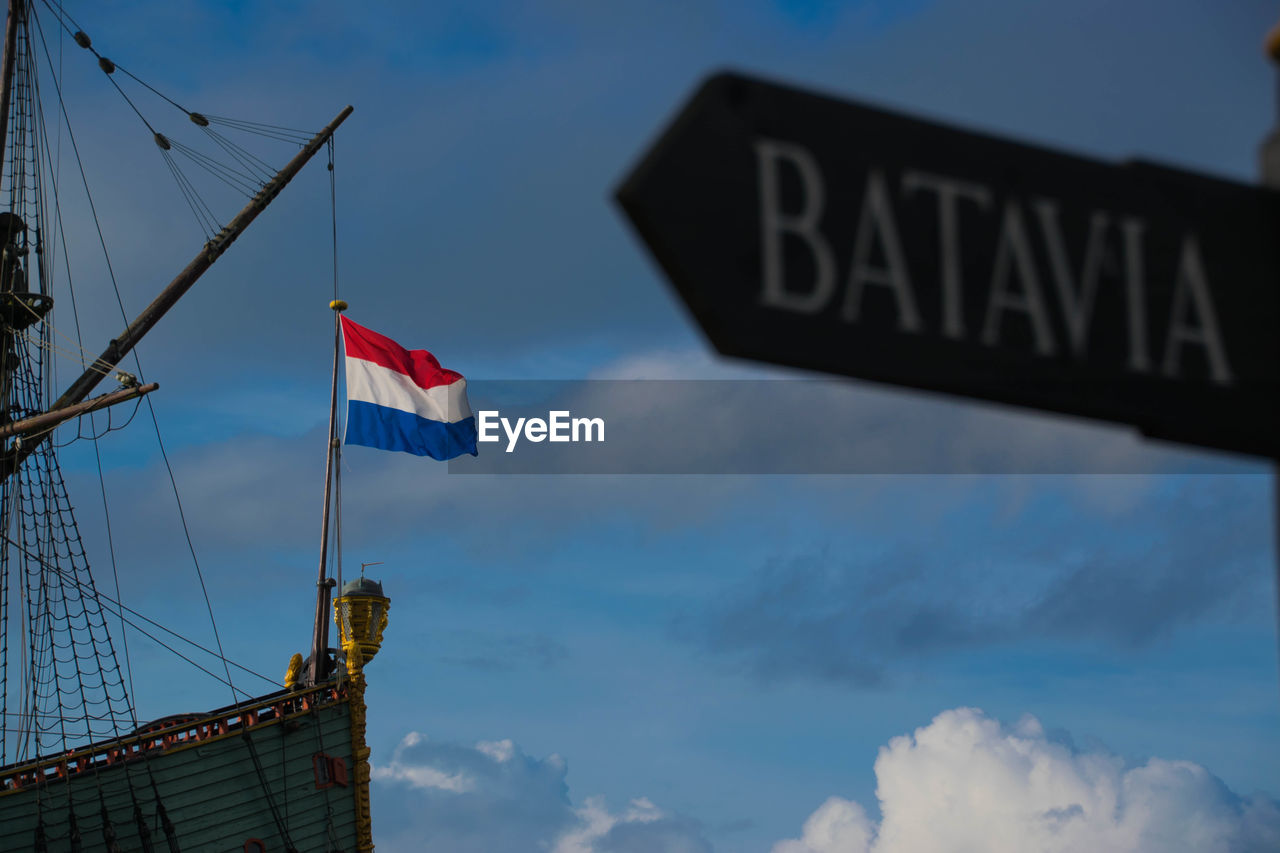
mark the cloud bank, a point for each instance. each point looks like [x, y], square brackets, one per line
[436, 796]
[966, 783]
[1138, 578]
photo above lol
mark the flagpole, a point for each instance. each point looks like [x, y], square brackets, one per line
[320, 631]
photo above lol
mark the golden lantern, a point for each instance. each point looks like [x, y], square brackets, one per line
[361, 614]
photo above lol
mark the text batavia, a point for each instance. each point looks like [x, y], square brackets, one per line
[1012, 301]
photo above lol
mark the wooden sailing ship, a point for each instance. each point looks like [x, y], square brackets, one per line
[283, 771]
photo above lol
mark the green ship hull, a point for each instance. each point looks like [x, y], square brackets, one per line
[273, 774]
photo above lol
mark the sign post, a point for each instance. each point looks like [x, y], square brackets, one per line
[1269, 161]
[820, 233]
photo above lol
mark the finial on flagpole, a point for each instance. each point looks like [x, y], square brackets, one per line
[338, 305]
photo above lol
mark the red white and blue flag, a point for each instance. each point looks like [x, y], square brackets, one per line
[399, 399]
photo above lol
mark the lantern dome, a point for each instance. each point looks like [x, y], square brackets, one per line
[361, 614]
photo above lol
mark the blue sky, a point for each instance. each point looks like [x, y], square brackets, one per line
[673, 663]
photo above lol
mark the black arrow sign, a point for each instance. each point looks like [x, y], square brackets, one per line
[819, 233]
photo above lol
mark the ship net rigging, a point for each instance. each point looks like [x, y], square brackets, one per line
[64, 675]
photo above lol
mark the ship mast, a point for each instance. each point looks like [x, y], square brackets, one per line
[119, 347]
[7, 362]
[6, 82]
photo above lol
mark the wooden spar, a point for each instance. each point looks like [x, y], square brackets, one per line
[6, 82]
[181, 283]
[54, 417]
[320, 629]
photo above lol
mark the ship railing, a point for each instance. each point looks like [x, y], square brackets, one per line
[170, 734]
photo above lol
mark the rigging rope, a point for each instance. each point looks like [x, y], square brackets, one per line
[53, 348]
[246, 184]
[138, 363]
[243, 182]
[102, 596]
[271, 131]
[54, 672]
[46, 272]
[192, 548]
[209, 224]
[261, 169]
[266, 789]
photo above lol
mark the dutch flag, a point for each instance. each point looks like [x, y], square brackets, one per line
[399, 399]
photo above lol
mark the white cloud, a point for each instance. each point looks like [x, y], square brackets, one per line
[837, 826]
[426, 777]
[500, 751]
[422, 776]
[967, 783]
[596, 821]
[436, 796]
